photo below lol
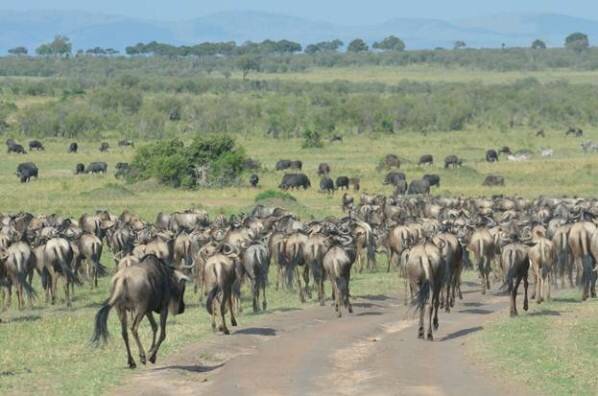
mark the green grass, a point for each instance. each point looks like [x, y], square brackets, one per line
[46, 350]
[552, 348]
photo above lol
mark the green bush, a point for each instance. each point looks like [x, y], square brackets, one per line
[312, 139]
[274, 194]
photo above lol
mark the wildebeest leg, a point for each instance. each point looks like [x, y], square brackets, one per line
[514, 296]
[154, 325]
[135, 330]
[525, 285]
[255, 291]
[225, 298]
[264, 302]
[420, 330]
[348, 296]
[593, 285]
[154, 352]
[301, 291]
[67, 291]
[570, 270]
[482, 267]
[436, 305]
[122, 315]
[306, 280]
[233, 320]
[54, 287]
[337, 299]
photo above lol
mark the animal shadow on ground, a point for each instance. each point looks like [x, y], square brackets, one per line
[461, 333]
[263, 331]
[365, 305]
[378, 297]
[26, 318]
[369, 313]
[280, 310]
[472, 304]
[568, 300]
[476, 311]
[545, 312]
[191, 369]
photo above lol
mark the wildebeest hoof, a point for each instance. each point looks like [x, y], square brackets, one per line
[525, 307]
[233, 322]
[514, 313]
[264, 305]
[142, 359]
[435, 326]
[225, 331]
[132, 364]
[153, 358]
[430, 337]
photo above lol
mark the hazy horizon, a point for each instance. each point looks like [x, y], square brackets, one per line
[335, 11]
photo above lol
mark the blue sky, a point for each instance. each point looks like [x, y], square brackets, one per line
[338, 11]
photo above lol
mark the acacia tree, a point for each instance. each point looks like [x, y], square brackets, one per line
[357, 45]
[248, 63]
[459, 44]
[577, 42]
[60, 46]
[390, 43]
[538, 44]
[18, 51]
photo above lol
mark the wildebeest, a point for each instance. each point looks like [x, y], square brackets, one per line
[126, 143]
[541, 257]
[150, 286]
[323, 169]
[491, 155]
[79, 169]
[505, 150]
[255, 264]
[296, 165]
[391, 161]
[97, 167]
[15, 262]
[452, 161]
[433, 180]
[36, 145]
[254, 180]
[483, 247]
[494, 180]
[337, 263]
[122, 169]
[418, 187]
[26, 171]
[73, 147]
[294, 180]
[347, 202]
[221, 272]
[426, 159]
[342, 182]
[356, 183]
[540, 133]
[515, 263]
[400, 188]
[14, 147]
[577, 132]
[393, 178]
[104, 147]
[283, 164]
[327, 185]
[336, 138]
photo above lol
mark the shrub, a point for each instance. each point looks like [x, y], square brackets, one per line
[274, 194]
[312, 139]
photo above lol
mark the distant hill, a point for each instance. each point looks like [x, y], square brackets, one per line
[88, 30]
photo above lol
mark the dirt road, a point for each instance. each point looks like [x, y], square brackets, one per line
[375, 351]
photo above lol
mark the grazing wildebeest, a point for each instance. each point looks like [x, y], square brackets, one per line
[494, 180]
[505, 150]
[255, 264]
[126, 143]
[337, 263]
[452, 161]
[426, 159]
[254, 180]
[122, 169]
[426, 273]
[391, 161]
[221, 272]
[251, 164]
[491, 155]
[294, 180]
[73, 147]
[515, 263]
[540, 133]
[356, 183]
[16, 262]
[418, 187]
[541, 257]
[577, 132]
[327, 185]
[26, 171]
[283, 164]
[14, 147]
[79, 169]
[36, 145]
[104, 147]
[323, 169]
[433, 180]
[150, 286]
[342, 182]
[348, 202]
[336, 138]
[393, 178]
[97, 167]
[296, 165]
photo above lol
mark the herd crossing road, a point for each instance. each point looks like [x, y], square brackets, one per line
[375, 351]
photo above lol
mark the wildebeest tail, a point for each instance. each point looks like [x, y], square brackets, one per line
[100, 333]
[423, 294]
[101, 270]
[210, 299]
[65, 268]
[508, 284]
[588, 269]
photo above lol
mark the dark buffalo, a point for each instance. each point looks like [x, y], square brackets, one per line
[577, 132]
[14, 147]
[342, 182]
[73, 147]
[418, 187]
[505, 150]
[250, 164]
[494, 180]
[104, 147]
[433, 180]
[323, 169]
[452, 161]
[296, 165]
[294, 180]
[122, 170]
[336, 138]
[126, 143]
[400, 188]
[254, 180]
[137, 292]
[97, 167]
[283, 164]
[540, 133]
[393, 178]
[26, 171]
[36, 145]
[392, 161]
[79, 168]
[426, 159]
[356, 183]
[491, 156]
[327, 184]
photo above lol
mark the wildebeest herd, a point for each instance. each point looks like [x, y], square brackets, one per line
[429, 241]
